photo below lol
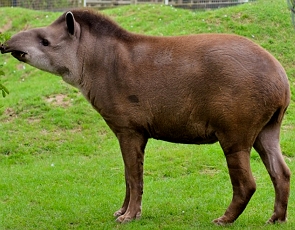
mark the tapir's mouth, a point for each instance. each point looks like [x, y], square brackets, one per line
[18, 54]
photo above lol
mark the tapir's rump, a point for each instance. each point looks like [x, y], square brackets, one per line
[194, 89]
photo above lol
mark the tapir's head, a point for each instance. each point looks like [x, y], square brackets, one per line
[53, 48]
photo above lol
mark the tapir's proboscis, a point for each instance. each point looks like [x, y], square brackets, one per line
[195, 89]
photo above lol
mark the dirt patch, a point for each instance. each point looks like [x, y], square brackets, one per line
[288, 127]
[60, 100]
[33, 120]
[10, 114]
[6, 27]
[20, 66]
[209, 171]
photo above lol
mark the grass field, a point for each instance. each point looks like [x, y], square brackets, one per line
[60, 165]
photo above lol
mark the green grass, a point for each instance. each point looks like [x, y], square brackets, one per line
[60, 165]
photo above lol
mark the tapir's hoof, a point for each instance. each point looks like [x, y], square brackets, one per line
[221, 221]
[277, 218]
[127, 218]
[273, 221]
[124, 219]
[118, 213]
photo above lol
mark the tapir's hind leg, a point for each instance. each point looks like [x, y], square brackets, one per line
[237, 154]
[268, 147]
[243, 186]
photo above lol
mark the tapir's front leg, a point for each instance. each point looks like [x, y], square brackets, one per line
[122, 210]
[132, 148]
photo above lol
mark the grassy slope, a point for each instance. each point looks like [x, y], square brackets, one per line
[58, 160]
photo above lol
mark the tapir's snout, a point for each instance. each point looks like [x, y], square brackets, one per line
[2, 48]
[5, 48]
[18, 54]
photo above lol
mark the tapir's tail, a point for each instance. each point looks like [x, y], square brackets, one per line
[279, 114]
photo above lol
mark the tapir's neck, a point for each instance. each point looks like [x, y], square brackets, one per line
[99, 58]
[103, 67]
[108, 64]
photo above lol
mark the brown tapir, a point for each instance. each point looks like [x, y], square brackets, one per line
[196, 89]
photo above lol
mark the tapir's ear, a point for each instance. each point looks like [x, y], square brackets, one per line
[70, 20]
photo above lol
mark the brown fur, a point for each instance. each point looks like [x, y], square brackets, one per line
[193, 89]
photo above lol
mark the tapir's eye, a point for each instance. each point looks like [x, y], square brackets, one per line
[45, 42]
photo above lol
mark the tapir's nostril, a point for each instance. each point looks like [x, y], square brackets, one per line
[2, 48]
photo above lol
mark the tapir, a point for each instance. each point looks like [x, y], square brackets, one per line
[193, 89]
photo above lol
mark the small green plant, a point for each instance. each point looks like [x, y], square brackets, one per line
[3, 89]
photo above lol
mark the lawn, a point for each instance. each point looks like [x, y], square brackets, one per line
[60, 165]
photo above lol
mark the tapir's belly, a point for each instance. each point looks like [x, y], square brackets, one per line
[180, 131]
[185, 139]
